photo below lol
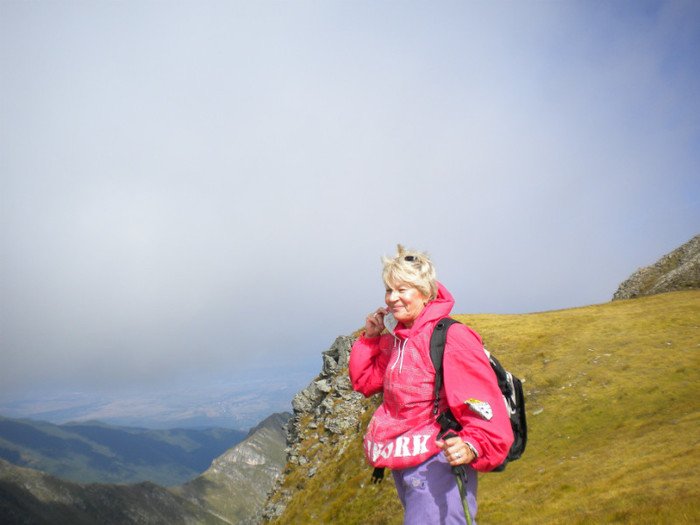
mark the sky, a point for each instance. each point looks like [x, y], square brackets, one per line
[196, 190]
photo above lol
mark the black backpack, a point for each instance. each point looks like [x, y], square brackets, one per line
[510, 386]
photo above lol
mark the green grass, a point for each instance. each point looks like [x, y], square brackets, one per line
[613, 399]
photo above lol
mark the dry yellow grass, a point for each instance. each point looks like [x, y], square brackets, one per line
[613, 398]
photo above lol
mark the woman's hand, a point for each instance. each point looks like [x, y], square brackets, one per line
[374, 323]
[456, 451]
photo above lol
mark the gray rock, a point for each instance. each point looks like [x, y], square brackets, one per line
[328, 403]
[678, 270]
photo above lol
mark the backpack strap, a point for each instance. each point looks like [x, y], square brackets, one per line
[449, 425]
[437, 349]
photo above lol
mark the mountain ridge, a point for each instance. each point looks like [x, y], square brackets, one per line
[244, 475]
[99, 452]
[29, 496]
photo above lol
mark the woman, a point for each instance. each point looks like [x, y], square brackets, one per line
[403, 432]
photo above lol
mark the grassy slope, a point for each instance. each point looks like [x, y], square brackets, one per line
[613, 399]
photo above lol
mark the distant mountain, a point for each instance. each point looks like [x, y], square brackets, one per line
[96, 452]
[231, 491]
[31, 497]
[678, 270]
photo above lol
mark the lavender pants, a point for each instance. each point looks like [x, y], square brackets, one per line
[430, 496]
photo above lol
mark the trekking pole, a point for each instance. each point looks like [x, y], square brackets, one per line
[460, 473]
[463, 494]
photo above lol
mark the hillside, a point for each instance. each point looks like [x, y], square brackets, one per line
[232, 490]
[32, 497]
[237, 483]
[96, 452]
[613, 398]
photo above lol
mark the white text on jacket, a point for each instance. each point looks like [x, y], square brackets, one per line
[402, 446]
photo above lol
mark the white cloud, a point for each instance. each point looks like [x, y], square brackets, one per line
[193, 187]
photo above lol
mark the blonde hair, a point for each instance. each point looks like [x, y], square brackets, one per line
[413, 268]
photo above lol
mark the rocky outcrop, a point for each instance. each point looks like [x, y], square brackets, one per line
[326, 415]
[678, 270]
[330, 399]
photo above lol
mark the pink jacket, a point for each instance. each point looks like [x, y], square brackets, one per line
[403, 429]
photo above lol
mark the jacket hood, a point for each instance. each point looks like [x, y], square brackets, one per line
[435, 310]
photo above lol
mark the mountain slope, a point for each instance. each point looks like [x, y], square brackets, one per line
[31, 497]
[613, 399]
[231, 491]
[96, 452]
[237, 483]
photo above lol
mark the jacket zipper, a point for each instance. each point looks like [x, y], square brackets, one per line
[399, 358]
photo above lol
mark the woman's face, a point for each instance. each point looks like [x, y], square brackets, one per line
[405, 302]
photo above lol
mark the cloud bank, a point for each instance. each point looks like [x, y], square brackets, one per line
[194, 190]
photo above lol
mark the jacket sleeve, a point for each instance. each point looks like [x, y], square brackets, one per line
[475, 399]
[367, 365]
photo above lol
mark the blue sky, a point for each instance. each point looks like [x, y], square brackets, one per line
[204, 189]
